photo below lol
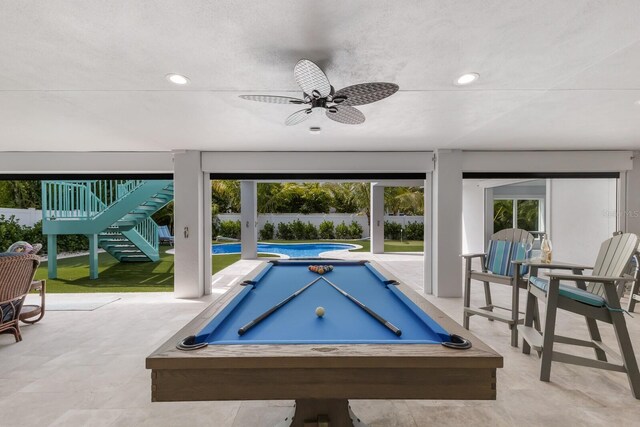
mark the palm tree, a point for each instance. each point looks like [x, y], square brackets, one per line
[406, 200]
[502, 214]
[528, 214]
[350, 197]
[165, 216]
[226, 194]
[268, 197]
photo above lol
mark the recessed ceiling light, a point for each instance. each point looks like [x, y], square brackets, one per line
[315, 129]
[466, 79]
[637, 102]
[177, 79]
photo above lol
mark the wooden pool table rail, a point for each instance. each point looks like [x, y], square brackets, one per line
[323, 371]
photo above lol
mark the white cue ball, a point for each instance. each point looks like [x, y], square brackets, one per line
[320, 311]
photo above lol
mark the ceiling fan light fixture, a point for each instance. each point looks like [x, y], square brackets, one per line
[467, 78]
[177, 79]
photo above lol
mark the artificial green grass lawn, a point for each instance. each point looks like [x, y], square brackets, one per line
[114, 276]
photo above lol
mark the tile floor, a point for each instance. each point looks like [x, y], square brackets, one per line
[86, 368]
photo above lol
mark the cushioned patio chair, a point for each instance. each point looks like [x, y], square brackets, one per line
[596, 297]
[16, 275]
[165, 235]
[505, 247]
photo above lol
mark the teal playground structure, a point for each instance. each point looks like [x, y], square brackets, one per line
[115, 215]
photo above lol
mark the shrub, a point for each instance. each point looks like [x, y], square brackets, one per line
[414, 231]
[355, 230]
[326, 230]
[310, 232]
[72, 243]
[267, 231]
[298, 229]
[392, 230]
[215, 226]
[10, 231]
[230, 229]
[284, 231]
[342, 231]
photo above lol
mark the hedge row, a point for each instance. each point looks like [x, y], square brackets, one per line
[298, 230]
[11, 231]
[412, 231]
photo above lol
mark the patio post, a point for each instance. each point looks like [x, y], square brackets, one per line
[93, 256]
[190, 254]
[52, 256]
[248, 220]
[446, 239]
[377, 218]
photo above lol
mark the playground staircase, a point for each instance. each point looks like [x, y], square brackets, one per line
[114, 214]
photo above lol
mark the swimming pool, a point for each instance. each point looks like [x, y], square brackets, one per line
[292, 250]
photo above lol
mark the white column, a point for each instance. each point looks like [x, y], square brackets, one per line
[632, 197]
[377, 218]
[427, 285]
[206, 236]
[447, 224]
[189, 225]
[249, 219]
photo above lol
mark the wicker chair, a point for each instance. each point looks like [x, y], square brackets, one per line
[16, 274]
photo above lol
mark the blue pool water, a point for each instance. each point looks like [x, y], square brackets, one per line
[293, 250]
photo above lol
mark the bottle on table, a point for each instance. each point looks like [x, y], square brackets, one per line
[545, 249]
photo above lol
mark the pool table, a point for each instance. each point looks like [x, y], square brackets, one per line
[381, 340]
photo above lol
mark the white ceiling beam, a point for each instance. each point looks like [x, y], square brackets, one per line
[91, 162]
[317, 162]
[546, 161]
[400, 183]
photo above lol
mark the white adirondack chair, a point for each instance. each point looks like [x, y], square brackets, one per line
[596, 297]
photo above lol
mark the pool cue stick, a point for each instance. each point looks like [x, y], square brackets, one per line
[373, 314]
[273, 309]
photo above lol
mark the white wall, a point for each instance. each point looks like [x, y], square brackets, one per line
[472, 216]
[26, 217]
[583, 215]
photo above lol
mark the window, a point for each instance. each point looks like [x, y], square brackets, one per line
[524, 213]
[527, 213]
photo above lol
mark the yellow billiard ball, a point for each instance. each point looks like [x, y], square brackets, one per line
[320, 311]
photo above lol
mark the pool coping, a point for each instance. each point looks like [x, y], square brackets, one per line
[172, 251]
[355, 247]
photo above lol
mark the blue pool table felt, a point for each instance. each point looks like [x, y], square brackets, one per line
[343, 323]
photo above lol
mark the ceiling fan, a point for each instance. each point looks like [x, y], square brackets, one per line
[319, 95]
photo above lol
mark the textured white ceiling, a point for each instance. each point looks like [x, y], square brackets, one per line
[90, 75]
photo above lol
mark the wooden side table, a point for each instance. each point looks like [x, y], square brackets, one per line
[33, 313]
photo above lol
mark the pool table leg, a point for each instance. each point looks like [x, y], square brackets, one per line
[323, 413]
